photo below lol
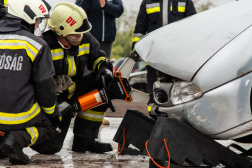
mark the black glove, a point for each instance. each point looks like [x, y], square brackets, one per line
[133, 46]
[106, 71]
[57, 119]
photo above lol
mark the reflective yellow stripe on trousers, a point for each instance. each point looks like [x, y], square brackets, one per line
[91, 115]
[20, 118]
[33, 131]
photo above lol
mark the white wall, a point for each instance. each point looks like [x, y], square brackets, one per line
[134, 4]
[53, 3]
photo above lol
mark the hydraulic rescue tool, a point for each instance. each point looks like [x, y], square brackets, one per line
[118, 88]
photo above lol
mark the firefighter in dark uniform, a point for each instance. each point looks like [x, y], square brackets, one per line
[2, 5]
[154, 14]
[28, 111]
[4, 2]
[73, 47]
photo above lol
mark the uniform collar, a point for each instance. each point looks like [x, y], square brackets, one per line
[10, 24]
[52, 40]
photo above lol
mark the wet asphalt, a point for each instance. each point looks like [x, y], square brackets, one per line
[68, 159]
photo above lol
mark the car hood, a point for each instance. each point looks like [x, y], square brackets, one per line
[180, 49]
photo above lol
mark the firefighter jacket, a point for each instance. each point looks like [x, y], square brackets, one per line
[71, 62]
[154, 14]
[4, 2]
[27, 87]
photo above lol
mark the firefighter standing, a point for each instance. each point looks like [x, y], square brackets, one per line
[4, 2]
[28, 111]
[2, 5]
[102, 15]
[154, 14]
[73, 47]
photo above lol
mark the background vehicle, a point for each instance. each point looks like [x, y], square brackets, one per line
[138, 80]
[137, 66]
[138, 77]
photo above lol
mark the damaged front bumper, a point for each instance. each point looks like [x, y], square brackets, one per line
[221, 113]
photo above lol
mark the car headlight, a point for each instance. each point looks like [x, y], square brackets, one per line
[182, 92]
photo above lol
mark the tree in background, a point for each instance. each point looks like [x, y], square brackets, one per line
[202, 6]
[125, 28]
[126, 24]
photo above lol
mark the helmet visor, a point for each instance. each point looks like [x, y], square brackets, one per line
[85, 27]
[74, 39]
[40, 26]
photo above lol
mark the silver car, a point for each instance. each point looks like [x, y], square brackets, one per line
[138, 80]
[209, 58]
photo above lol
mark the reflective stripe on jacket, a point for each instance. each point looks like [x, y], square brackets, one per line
[7, 118]
[154, 14]
[26, 75]
[4, 2]
[72, 62]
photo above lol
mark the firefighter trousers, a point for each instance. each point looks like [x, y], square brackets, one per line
[33, 135]
[86, 124]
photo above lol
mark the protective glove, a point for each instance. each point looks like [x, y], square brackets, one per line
[57, 119]
[106, 71]
[133, 46]
[63, 82]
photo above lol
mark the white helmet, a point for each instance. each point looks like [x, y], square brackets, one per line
[28, 10]
[70, 22]
[68, 18]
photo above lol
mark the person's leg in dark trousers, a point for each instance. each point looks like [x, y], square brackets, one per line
[87, 125]
[55, 144]
[107, 47]
[81, 126]
[151, 78]
[2, 155]
[14, 141]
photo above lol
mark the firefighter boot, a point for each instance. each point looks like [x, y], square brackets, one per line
[90, 144]
[2, 155]
[11, 147]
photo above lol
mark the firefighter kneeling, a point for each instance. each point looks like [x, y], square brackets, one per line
[28, 110]
[73, 47]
